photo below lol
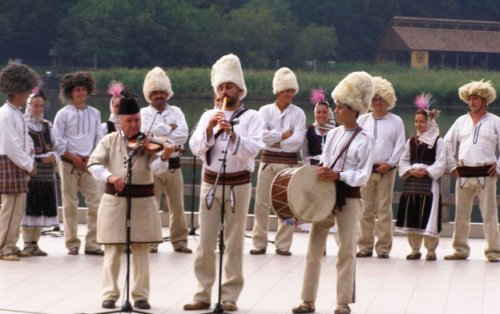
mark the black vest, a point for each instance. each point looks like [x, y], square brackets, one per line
[420, 152]
[314, 141]
[42, 139]
[111, 126]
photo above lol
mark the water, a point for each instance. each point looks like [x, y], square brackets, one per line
[193, 108]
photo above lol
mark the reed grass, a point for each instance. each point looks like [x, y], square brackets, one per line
[408, 83]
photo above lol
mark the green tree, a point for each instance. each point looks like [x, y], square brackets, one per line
[316, 43]
[260, 32]
[28, 27]
[93, 33]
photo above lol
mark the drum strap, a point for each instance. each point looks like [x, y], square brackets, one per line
[346, 146]
[236, 114]
[341, 186]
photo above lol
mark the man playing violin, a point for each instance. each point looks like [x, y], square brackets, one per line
[107, 165]
[162, 119]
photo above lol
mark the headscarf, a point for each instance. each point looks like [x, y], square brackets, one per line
[28, 113]
[428, 137]
[328, 125]
[318, 98]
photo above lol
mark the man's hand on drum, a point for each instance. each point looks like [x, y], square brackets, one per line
[327, 174]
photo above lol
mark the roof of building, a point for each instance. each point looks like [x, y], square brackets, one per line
[441, 35]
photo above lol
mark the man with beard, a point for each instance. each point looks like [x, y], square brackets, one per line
[473, 142]
[211, 137]
[162, 119]
[284, 133]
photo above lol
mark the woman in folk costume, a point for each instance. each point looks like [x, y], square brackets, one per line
[41, 204]
[115, 90]
[324, 121]
[422, 164]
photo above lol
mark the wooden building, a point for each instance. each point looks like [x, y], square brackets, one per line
[438, 43]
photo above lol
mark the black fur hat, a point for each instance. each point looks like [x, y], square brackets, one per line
[71, 80]
[128, 106]
[17, 78]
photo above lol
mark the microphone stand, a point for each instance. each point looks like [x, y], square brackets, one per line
[192, 229]
[219, 309]
[127, 307]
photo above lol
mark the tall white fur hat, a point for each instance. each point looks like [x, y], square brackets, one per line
[384, 89]
[356, 90]
[284, 79]
[228, 70]
[157, 80]
[480, 88]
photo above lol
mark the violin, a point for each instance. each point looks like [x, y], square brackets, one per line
[152, 144]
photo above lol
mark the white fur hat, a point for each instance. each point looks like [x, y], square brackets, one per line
[228, 70]
[384, 89]
[284, 79]
[480, 88]
[157, 80]
[356, 90]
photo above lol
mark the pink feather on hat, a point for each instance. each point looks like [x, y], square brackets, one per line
[115, 88]
[35, 90]
[317, 95]
[423, 101]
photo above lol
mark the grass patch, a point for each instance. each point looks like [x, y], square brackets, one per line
[408, 83]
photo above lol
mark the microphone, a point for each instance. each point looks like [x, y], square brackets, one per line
[234, 122]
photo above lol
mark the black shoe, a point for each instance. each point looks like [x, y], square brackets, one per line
[258, 252]
[183, 249]
[97, 252]
[364, 254]
[142, 305]
[283, 252]
[383, 255]
[413, 256]
[304, 307]
[109, 304]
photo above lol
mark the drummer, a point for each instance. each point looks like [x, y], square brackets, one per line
[347, 161]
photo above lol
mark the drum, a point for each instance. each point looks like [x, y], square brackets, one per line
[298, 195]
